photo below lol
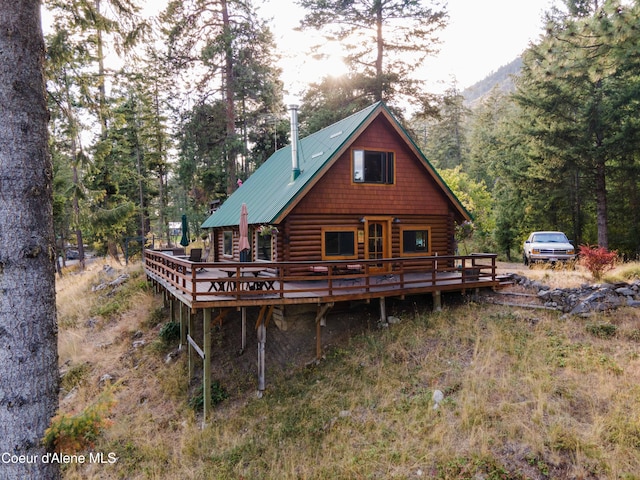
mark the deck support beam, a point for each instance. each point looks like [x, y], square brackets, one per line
[266, 311]
[321, 321]
[190, 332]
[244, 330]
[183, 325]
[383, 310]
[437, 301]
[206, 375]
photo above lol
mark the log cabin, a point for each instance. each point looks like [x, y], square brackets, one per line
[352, 212]
[358, 189]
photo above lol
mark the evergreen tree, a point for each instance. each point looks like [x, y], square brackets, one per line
[385, 40]
[444, 136]
[332, 99]
[88, 27]
[67, 86]
[233, 53]
[496, 157]
[576, 91]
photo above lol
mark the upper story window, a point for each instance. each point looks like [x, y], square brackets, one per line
[373, 167]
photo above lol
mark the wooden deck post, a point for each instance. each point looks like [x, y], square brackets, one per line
[321, 321]
[266, 311]
[262, 341]
[206, 375]
[244, 329]
[183, 326]
[437, 301]
[190, 332]
[318, 339]
[383, 310]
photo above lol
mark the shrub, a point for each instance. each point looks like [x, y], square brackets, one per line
[170, 332]
[597, 260]
[218, 395]
[76, 375]
[75, 433]
[602, 330]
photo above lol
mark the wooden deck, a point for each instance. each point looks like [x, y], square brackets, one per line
[233, 284]
[203, 286]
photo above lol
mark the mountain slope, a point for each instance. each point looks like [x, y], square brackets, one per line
[501, 78]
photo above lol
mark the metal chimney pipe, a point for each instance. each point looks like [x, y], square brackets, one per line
[295, 167]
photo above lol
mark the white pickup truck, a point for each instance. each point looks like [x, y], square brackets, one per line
[547, 247]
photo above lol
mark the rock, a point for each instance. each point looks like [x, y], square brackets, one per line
[626, 291]
[71, 395]
[99, 287]
[172, 355]
[437, 397]
[543, 294]
[91, 323]
[587, 298]
[582, 307]
[120, 280]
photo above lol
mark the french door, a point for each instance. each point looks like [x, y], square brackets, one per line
[378, 241]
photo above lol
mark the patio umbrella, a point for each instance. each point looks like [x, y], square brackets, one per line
[243, 244]
[184, 241]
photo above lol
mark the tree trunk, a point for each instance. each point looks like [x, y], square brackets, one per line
[380, 53]
[229, 83]
[601, 205]
[28, 331]
[75, 143]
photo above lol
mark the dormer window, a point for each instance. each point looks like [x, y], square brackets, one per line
[373, 167]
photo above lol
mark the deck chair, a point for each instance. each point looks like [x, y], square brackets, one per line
[195, 255]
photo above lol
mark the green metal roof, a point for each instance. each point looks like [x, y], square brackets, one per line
[270, 189]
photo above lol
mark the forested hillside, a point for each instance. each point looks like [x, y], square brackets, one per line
[502, 80]
[159, 117]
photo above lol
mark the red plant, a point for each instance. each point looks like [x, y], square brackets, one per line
[597, 259]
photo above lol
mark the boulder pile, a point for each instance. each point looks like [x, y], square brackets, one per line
[586, 299]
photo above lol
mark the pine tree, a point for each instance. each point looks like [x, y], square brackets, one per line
[575, 93]
[233, 53]
[384, 41]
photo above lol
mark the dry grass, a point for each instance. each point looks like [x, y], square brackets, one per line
[526, 396]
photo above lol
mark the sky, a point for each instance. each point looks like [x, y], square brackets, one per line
[482, 36]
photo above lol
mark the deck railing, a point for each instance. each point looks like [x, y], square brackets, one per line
[206, 282]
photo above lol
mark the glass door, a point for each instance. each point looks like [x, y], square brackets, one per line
[378, 242]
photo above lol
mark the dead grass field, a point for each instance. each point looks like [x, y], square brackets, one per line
[526, 394]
